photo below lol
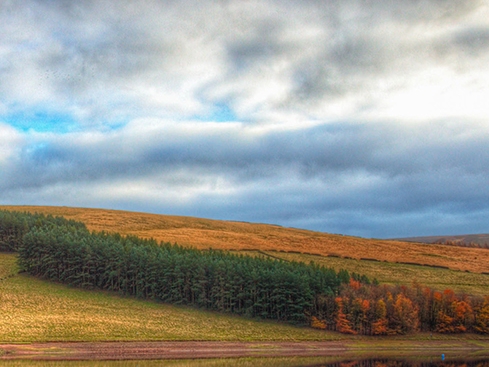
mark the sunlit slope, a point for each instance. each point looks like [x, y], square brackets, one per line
[206, 233]
[33, 310]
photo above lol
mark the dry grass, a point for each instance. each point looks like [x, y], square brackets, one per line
[8, 267]
[34, 310]
[205, 233]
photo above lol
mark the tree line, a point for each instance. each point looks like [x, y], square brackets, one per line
[66, 251]
[389, 310]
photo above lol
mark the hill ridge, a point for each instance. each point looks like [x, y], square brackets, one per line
[481, 239]
[205, 233]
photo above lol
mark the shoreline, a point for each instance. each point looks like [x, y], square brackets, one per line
[166, 350]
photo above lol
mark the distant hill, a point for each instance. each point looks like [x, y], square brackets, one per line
[228, 235]
[466, 240]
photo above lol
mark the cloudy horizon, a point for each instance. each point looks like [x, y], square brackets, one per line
[355, 117]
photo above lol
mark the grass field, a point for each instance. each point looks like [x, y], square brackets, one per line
[34, 310]
[206, 233]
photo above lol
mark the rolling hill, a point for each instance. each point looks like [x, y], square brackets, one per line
[480, 239]
[227, 235]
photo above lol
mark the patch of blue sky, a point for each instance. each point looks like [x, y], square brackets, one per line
[220, 112]
[116, 125]
[41, 121]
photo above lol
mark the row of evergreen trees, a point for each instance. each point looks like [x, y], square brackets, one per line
[65, 251]
[14, 225]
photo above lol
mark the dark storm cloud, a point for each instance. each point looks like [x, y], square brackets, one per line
[475, 41]
[341, 168]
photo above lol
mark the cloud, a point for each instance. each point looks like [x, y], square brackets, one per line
[236, 172]
[344, 116]
[9, 142]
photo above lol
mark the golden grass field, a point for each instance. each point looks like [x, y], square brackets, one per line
[228, 235]
[33, 310]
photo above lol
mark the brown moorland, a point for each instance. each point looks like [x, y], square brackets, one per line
[228, 235]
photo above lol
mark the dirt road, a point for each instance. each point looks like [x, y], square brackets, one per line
[215, 349]
[166, 350]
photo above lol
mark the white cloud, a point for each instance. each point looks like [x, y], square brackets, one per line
[10, 142]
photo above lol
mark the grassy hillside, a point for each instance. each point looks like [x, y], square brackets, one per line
[205, 233]
[35, 310]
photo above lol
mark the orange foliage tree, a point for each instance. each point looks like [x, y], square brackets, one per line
[405, 317]
[317, 323]
[379, 326]
[343, 325]
[481, 323]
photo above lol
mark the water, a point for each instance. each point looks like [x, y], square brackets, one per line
[270, 362]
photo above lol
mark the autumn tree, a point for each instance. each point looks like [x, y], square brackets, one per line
[405, 318]
[343, 325]
[463, 315]
[380, 325]
[481, 323]
[317, 323]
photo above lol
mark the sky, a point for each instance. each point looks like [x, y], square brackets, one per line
[364, 118]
